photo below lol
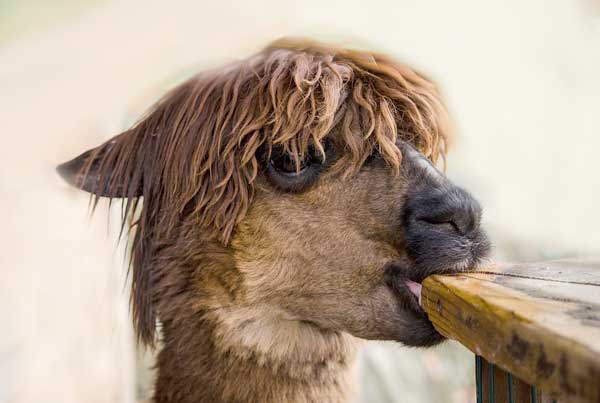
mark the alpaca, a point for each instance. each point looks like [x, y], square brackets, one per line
[284, 208]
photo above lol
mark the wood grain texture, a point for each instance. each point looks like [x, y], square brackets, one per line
[541, 322]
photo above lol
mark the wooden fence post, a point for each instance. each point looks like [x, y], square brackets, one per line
[535, 328]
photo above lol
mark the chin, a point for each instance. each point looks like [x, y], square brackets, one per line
[412, 326]
[399, 317]
[421, 333]
[415, 330]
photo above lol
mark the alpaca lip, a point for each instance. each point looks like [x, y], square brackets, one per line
[415, 288]
[408, 293]
[405, 282]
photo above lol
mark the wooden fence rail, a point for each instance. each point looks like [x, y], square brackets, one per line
[535, 328]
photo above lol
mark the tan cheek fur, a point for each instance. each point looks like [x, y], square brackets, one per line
[281, 306]
[283, 251]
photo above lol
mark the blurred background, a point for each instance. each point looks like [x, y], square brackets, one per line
[522, 80]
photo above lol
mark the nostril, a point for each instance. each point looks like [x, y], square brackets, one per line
[461, 219]
[452, 211]
[445, 224]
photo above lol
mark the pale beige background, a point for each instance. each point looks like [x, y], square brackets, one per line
[522, 80]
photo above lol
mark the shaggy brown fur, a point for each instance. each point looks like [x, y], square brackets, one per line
[259, 276]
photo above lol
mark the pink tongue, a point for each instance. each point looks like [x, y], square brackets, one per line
[415, 288]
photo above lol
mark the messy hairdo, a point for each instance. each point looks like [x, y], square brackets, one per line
[193, 157]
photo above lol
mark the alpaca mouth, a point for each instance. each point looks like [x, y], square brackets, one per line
[415, 288]
[405, 280]
[406, 289]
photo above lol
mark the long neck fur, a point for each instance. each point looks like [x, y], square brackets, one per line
[199, 363]
[219, 347]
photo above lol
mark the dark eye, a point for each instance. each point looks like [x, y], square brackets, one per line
[283, 173]
[285, 164]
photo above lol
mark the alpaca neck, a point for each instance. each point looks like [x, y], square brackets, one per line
[242, 356]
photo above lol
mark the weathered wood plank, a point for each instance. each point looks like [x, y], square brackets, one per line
[575, 271]
[541, 322]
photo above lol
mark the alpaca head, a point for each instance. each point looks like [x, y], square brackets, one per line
[298, 184]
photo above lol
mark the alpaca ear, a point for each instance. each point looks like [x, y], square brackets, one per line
[105, 171]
